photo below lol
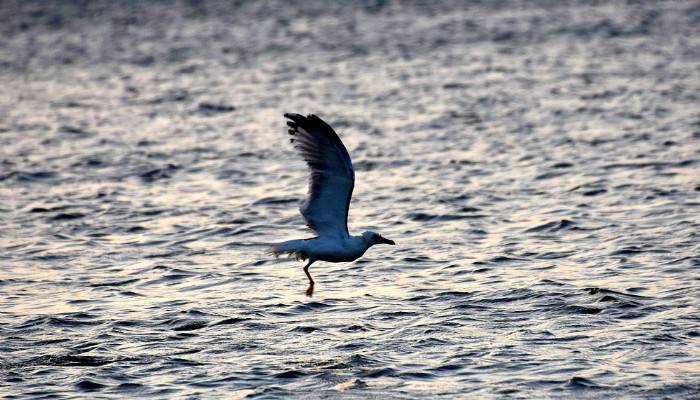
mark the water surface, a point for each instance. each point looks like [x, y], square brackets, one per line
[537, 166]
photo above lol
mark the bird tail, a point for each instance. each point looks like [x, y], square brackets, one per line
[290, 247]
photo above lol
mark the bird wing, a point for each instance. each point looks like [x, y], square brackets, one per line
[332, 175]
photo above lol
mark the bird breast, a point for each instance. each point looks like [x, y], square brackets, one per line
[336, 249]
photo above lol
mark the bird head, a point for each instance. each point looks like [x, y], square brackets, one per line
[373, 238]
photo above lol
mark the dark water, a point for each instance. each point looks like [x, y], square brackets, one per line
[538, 165]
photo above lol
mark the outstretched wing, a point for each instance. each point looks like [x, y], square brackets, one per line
[332, 176]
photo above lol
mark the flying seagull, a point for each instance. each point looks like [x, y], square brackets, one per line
[326, 207]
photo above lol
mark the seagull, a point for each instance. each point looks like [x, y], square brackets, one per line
[326, 207]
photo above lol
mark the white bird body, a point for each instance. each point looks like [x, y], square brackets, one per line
[326, 249]
[326, 207]
[347, 249]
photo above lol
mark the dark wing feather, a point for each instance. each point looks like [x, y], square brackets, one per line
[332, 175]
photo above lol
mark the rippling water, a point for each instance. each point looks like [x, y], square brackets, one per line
[537, 165]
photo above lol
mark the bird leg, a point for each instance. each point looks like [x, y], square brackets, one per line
[310, 289]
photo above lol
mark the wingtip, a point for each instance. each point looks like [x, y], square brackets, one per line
[294, 116]
[300, 119]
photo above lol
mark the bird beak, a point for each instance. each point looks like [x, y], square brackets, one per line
[386, 241]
